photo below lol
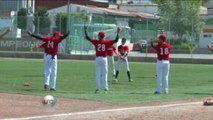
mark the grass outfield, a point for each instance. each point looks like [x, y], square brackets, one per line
[76, 79]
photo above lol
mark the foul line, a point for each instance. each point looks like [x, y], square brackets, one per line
[102, 111]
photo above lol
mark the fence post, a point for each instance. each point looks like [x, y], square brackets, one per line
[68, 25]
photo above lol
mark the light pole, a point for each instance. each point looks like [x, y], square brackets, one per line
[68, 13]
[169, 28]
[68, 26]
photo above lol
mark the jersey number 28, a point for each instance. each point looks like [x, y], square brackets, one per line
[101, 47]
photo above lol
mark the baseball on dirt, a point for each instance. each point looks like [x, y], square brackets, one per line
[49, 100]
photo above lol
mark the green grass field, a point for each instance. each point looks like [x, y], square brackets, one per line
[76, 79]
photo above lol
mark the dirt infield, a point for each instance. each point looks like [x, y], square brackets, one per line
[25, 107]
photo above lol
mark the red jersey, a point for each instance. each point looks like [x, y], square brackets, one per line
[123, 49]
[163, 51]
[111, 50]
[101, 47]
[51, 44]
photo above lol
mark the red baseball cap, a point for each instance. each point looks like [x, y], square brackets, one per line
[162, 37]
[101, 34]
[56, 33]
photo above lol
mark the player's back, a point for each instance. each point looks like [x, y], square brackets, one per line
[101, 47]
[111, 50]
[163, 51]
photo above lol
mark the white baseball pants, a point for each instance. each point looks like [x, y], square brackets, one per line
[123, 61]
[162, 69]
[50, 70]
[101, 71]
[111, 63]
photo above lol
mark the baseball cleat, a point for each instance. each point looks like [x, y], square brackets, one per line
[97, 91]
[106, 92]
[208, 102]
[130, 80]
[46, 87]
[115, 80]
[156, 92]
[26, 84]
[52, 89]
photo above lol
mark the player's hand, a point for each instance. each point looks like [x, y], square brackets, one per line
[85, 28]
[29, 32]
[124, 59]
[119, 29]
[210, 47]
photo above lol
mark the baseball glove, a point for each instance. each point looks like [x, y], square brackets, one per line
[208, 102]
[26, 84]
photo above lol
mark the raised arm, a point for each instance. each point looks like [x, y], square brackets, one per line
[5, 32]
[152, 45]
[35, 36]
[65, 35]
[118, 35]
[86, 35]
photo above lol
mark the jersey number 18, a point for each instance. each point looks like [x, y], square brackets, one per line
[164, 51]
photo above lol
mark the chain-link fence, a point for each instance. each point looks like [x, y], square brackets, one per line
[138, 32]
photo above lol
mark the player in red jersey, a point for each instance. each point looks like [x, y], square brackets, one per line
[163, 65]
[5, 32]
[50, 45]
[111, 51]
[123, 51]
[101, 46]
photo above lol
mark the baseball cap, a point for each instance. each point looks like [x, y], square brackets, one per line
[56, 33]
[162, 37]
[101, 34]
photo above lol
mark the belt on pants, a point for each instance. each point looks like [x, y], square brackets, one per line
[162, 60]
[101, 56]
[52, 56]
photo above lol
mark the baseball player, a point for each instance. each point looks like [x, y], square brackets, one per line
[101, 46]
[50, 46]
[123, 51]
[163, 65]
[110, 58]
[5, 32]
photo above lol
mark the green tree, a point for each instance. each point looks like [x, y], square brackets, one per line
[62, 20]
[22, 18]
[182, 16]
[42, 21]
